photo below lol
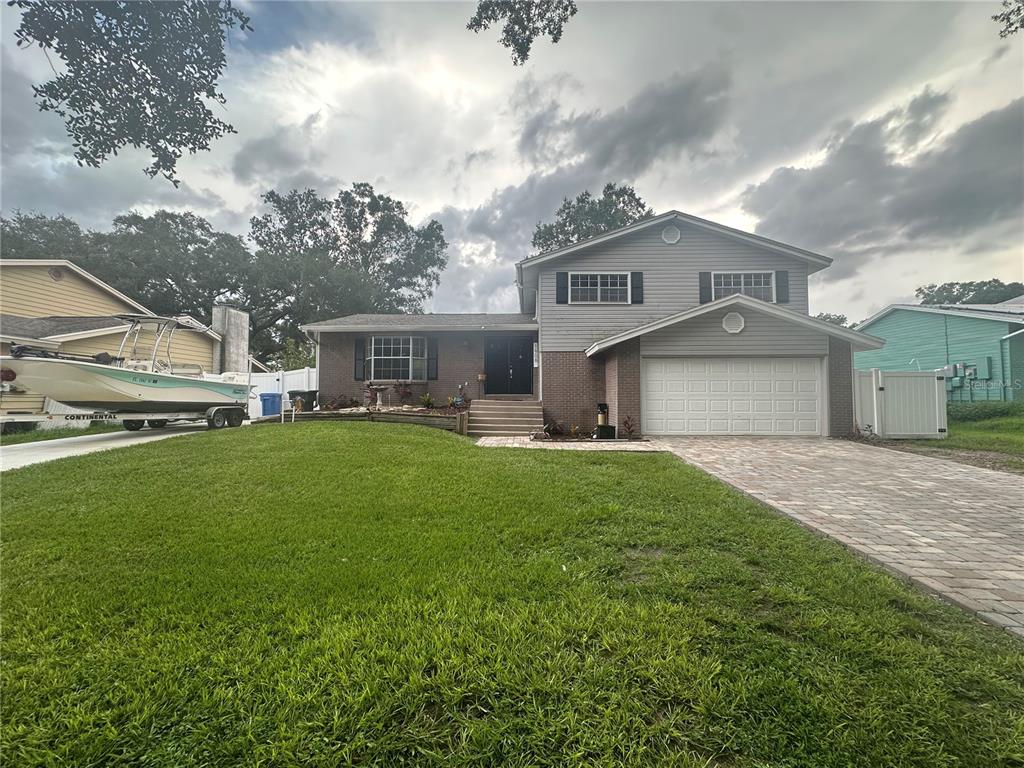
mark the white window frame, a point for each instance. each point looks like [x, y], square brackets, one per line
[770, 273]
[371, 358]
[629, 287]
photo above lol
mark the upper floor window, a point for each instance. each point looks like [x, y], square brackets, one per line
[398, 357]
[757, 285]
[594, 288]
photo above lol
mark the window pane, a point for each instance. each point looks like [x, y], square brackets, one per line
[583, 287]
[419, 368]
[419, 347]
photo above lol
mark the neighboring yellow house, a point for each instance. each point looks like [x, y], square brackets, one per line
[55, 305]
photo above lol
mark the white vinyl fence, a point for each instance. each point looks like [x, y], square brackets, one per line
[901, 404]
[285, 381]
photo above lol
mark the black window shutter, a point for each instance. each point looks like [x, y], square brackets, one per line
[636, 287]
[561, 287]
[782, 287]
[431, 359]
[360, 359]
[705, 287]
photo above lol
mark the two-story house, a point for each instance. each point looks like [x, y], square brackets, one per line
[682, 325]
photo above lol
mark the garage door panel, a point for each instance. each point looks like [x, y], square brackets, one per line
[761, 396]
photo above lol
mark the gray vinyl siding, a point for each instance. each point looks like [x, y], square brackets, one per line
[762, 335]
[670, 282]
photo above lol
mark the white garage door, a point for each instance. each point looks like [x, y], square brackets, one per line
[732, 396]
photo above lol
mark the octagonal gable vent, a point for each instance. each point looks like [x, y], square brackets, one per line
[733, 322]
[670, 234]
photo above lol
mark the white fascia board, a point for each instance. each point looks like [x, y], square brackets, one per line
[858, 339]
[999, 317]
[8, 339]
[416, 328]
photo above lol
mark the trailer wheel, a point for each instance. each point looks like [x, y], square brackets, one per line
[134, 425]
[157, 423]
[218, 420]
[235, 418]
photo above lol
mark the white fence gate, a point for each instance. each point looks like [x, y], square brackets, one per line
[283, 382]
[901, 404]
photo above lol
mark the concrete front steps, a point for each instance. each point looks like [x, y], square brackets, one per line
[493, 418]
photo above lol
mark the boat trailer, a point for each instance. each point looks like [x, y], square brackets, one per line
[217, 417]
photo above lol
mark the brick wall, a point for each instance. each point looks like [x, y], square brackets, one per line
[840, 387]
[622, 383]
[460, 357]
[573, 386]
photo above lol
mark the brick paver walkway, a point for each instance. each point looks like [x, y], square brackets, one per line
[523, 441]
[955, 529]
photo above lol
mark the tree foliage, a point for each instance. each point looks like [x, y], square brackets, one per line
[318, 258]
[1011, 17]
[979, 292]
[834, 318]
[587, 216]
[314, 258]
[295, 354]
[135, 74]
[524, 21]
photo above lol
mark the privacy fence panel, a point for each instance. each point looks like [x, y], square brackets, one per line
[901, 404]
[285, 381]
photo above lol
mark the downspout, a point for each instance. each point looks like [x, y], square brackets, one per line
[540, 350]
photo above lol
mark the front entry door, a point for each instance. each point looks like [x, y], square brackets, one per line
[508, 363]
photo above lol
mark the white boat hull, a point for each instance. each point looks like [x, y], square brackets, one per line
[119, 390]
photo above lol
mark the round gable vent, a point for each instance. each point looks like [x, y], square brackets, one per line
[56, 274]
[670, 234]
[733, 322]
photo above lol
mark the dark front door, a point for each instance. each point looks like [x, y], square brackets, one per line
[508, 363]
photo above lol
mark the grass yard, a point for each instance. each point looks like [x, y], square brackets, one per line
[373, 594]
[996, 442]
[36, 435]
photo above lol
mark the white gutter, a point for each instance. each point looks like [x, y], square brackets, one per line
[415, 328]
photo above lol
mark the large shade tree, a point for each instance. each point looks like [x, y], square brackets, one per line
[319, 258]
[588, 216]
[971, 292]
[135, 74]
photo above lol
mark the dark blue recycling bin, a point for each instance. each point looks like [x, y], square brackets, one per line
[271, 402]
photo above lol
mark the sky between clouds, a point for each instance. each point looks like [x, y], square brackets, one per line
[889, 136]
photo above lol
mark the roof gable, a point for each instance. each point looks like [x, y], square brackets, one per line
[858, 339]
[77, 270]
[815, 260]
[1001, 313]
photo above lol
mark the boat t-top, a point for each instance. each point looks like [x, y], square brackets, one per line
[141, 380]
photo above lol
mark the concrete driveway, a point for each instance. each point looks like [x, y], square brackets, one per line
[954, 529]
[24, 454]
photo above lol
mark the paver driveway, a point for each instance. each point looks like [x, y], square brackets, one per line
[955, 529]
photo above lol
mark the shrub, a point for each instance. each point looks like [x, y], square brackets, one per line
[426, 400]
[981, 411]
[403, 390]
[554, 427]
[629, 427]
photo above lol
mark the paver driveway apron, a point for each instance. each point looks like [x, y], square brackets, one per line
[955, 529]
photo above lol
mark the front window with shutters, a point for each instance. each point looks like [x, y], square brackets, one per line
[599, 288]
[397, 357]
[756, 285]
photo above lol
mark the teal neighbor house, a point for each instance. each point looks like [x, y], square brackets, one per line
[982, 345]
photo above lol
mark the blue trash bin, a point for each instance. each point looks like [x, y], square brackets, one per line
[271, 402]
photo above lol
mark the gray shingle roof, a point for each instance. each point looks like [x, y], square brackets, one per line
[439, 320]
[43, 327]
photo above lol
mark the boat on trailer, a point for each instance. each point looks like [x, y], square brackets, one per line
[128, 385]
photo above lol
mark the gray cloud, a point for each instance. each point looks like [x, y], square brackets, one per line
[284, 158]
[680, 114]
[862, 202]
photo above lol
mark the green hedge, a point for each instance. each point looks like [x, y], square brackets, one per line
[981, 411]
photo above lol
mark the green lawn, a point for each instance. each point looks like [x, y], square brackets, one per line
[333, 594]
[36, 435]
[1004, 434]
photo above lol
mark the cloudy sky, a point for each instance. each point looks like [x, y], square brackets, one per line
[889, 136]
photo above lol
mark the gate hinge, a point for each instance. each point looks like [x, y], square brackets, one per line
[881, 389]
[942, 430]
[940, 378]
